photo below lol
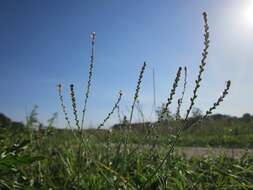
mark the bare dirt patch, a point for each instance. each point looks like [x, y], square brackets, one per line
[204, 151]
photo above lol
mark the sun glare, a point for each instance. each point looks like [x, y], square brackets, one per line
[248, 14]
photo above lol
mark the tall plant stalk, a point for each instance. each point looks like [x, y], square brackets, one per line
[92, 61]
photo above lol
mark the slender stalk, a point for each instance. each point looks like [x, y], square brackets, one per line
[202, 65]
[73, 99]
[63, 105]
[136, 95]
[92, 60]
[220, 99]
[112, 111]
[118, 114]
[215, 105]
[79, 163]
[180, 100]
[172, 93]
[137, 90]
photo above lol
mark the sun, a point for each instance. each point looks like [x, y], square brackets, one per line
[248, 14]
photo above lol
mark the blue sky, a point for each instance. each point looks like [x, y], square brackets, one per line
[46, 42]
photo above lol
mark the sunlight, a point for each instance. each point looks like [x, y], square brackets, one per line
[248, 14]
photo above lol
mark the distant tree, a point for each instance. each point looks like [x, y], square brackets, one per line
[122, 125]
[246, 117]
[167, 115]
[4, 120]
[7, 122]
[196, 112]
[219, 116]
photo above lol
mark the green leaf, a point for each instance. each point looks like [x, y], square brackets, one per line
[11, 160]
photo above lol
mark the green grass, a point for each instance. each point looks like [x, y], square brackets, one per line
[225, 132]
[51, 162]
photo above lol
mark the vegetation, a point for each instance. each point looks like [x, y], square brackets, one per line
[50, 161]
[129, 156]
[216, 131]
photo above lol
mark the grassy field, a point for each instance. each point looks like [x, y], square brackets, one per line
[48, 158]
